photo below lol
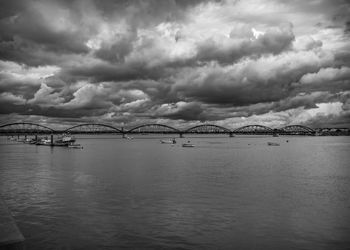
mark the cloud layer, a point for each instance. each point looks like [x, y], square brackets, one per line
[176, 62]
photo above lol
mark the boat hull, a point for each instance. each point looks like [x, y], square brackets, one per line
[167, 141]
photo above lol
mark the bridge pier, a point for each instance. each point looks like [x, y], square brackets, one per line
[123, 133]
[36, 138]
[51, 139]
[181, 135]
[231, 134]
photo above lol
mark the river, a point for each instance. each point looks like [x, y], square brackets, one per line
[225, 193]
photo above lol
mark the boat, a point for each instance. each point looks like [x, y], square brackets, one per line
[275, 135]
[60, 144]
[188, 145]
[75, 146]
[273, 144]
[65, 139]
[29, 141]
[44, 141]
[128, 137]
[169, 141]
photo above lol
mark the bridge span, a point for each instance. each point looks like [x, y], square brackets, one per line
[27, 128]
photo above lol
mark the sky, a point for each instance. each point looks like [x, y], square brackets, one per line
[177, 62]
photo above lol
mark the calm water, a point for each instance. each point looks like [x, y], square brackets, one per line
[225, 193]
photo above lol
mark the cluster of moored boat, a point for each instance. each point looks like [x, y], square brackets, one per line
[188, 144]
[63, 141]
[69, 141]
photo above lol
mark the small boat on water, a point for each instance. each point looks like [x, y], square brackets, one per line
[75, 146]
[275, 135]
[169, 141]
[188, 145]
[47, 142]
[44, 141]
[29, 141]
[65, 139]
[273, 144]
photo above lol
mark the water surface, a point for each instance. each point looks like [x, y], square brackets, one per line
[225, 193]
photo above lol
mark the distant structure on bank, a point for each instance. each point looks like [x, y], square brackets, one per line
[27, 128]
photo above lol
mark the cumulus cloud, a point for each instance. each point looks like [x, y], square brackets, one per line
[88, 96]
[229, 49]
[325, 75]
[180, 110]
[250, 81]
[7, 97]
[125, 62]
[46, 97]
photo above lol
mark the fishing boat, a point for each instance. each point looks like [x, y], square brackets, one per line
[44, 141]
[75, 146]
[169, 141]
[188, 145]
[28, 141]
[273, 144]
[65, 139]
[128, 137]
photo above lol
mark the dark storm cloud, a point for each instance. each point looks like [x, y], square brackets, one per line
[17, 87]
[65, 26]
[30, 29]
[104, 71]
[330, 121]
[307, 101]
[264, 80]
[117, 51]
[275, 40]
[129, 61]
[141, 13]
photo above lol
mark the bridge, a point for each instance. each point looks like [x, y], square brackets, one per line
[27, 128]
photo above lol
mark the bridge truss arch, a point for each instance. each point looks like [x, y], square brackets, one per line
[297, 130]
[25, 128]
[208, 129]
[254, 129]
[154, 128]
[93, 128]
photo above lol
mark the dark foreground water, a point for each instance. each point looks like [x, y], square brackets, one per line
[226, 193]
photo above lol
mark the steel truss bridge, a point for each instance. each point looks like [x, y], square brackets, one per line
[27, 128]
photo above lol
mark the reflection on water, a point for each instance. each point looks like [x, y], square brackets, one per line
[224, 193]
